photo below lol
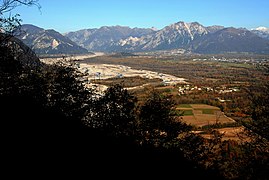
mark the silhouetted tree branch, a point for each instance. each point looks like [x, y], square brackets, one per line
[11, 22]
[9, 5]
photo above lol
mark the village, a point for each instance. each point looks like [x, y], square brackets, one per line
[188, 89]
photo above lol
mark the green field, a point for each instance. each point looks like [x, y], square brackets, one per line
[187, 113]
[184, 106]
[208, 111]
[202, 114]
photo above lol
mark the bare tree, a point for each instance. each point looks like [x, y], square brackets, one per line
[8, 23]
[10, 26]
[218, 115]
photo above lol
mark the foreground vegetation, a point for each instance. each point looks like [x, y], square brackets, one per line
[54, 119]
[54, 126]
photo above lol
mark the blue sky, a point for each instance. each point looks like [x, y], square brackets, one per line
[72, 15]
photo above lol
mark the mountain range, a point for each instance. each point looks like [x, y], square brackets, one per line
[190, 37]
[262, 32]
[47, 41]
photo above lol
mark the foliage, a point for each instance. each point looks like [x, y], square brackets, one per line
[260, 112]
[12, 22]
[157, 121]
[42, 109]
[255, 160]
[220, 125]
[50, 103]
[113, 112]
[65, 91]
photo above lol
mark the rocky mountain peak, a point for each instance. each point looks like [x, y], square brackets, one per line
[189, 36]
[264, 29]
[262, 32]
[47, 41]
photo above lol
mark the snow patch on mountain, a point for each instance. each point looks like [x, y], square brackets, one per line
[262, 32]
[264, 29]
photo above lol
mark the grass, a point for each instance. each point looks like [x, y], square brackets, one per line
[203, 106]
[201, 114]
[208, 111]
[184, 106]
[187, 113]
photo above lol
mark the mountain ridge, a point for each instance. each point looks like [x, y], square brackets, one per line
[189, 36]
[262, 32]
[105, 37]
[179, 35]
[47, 41]
[231, 40]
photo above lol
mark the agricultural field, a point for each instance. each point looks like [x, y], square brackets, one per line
[201, 114]
[207, 92]
[187, 79]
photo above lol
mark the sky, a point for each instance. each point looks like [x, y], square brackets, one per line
[72, 15]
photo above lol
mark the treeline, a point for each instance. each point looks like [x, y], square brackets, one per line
[53, 124]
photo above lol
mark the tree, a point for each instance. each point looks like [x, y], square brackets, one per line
[114, 112]
[260, 112]
[12, 22]
[65, 91]
[157, 121]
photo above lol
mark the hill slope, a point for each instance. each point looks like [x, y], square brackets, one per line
[48, 41]
[230, 40]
